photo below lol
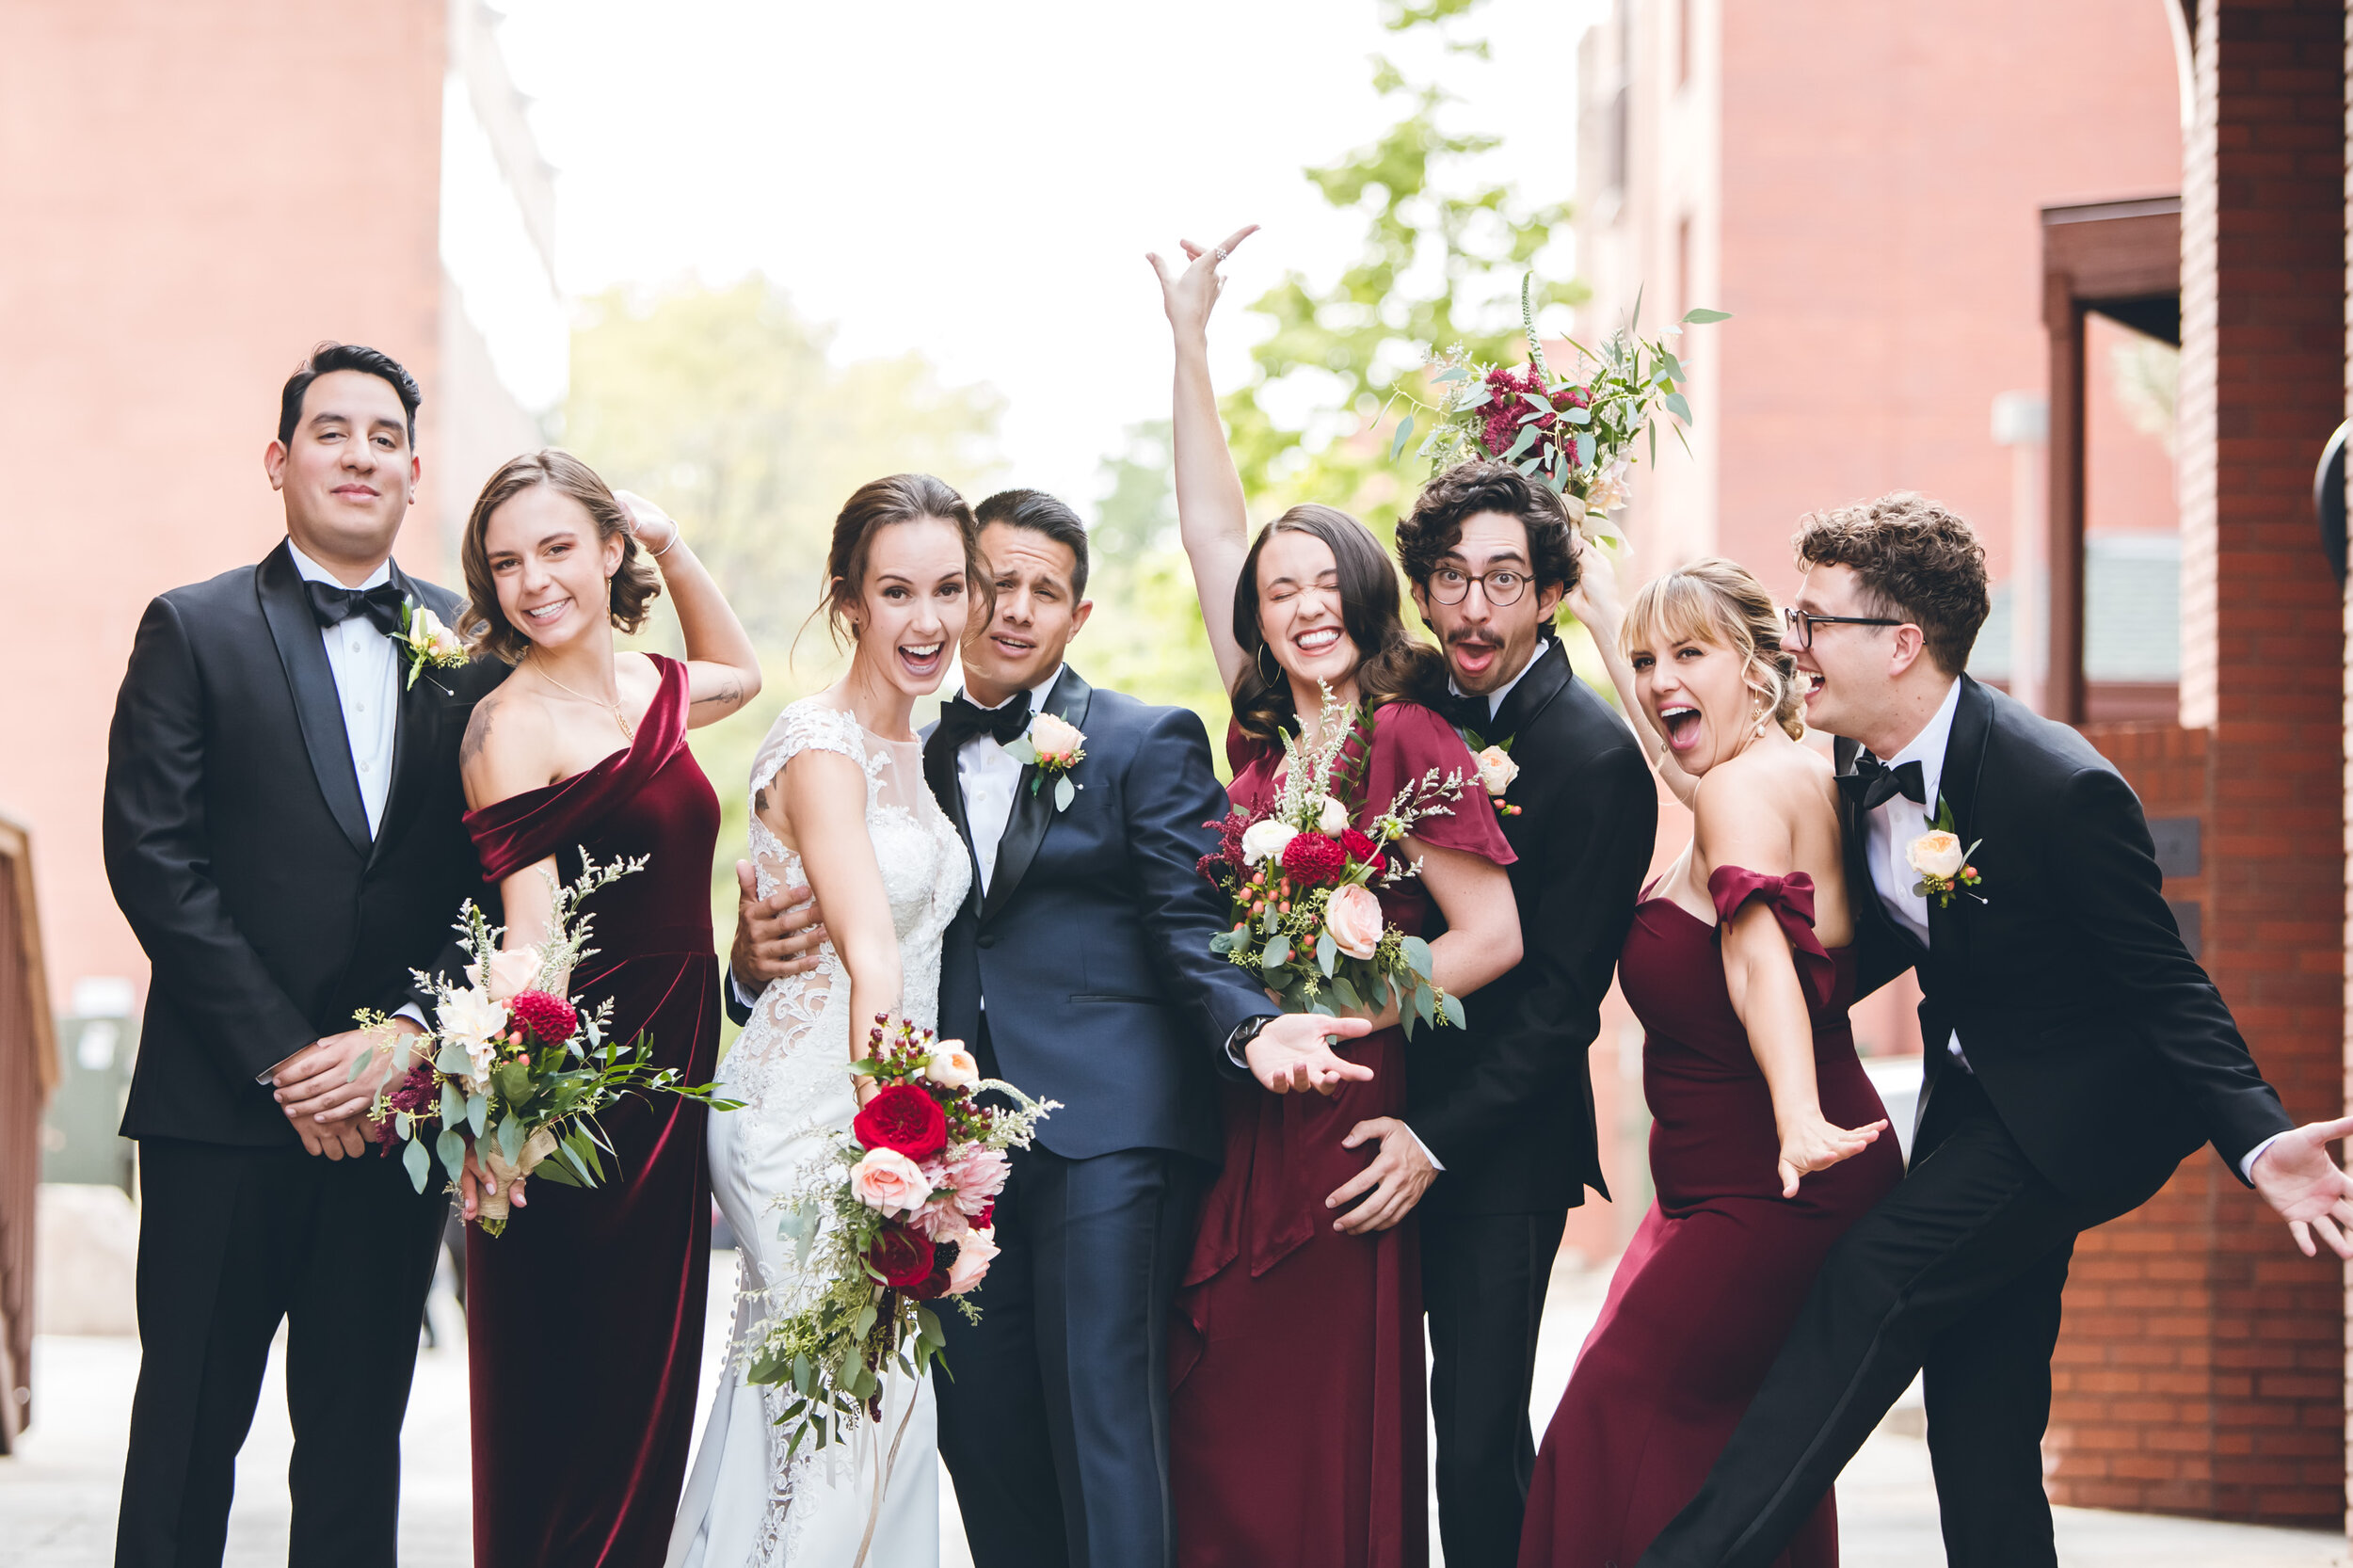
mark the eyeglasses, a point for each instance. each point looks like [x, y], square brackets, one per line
[1802, 624]
[1502, 588]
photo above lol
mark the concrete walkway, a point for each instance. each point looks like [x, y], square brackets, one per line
[58, 1493]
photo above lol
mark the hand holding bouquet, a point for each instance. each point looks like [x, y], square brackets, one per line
[902, 1215]
[1306, 920]
[513, 1071]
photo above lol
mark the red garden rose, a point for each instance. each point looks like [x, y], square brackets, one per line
[905, 1118]
[1312, 861]
[903, 1256]
[1360, 847]
[549, 1019]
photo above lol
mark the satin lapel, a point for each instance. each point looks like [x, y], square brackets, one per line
[1033, 811]
[413, 714]
[1964, 763]
[1547, 675]
[317, 708]
[940, 771]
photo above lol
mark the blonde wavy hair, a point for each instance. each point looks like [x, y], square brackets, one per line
[1721, 601]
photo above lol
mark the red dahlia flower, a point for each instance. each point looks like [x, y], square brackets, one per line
[550, 1017]
[1312, 861]
[905, 1118]
[902, 1255]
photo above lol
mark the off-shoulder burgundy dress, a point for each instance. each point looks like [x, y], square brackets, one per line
[1297, 1422]
[1711, 1282]
[584, 1319]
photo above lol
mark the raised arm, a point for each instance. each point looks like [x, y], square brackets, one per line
[722, 667]
[1211, 517]
[1595, 603]
[824, 815]
[1740, 822]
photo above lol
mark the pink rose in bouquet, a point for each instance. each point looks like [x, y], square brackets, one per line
[1354, 920]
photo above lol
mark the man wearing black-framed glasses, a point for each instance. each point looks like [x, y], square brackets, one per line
[1803, 622]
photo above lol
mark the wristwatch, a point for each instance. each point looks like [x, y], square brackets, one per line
[1239, 1042]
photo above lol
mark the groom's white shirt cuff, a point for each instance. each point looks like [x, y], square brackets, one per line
[1233, 1054]
[2246, 1167]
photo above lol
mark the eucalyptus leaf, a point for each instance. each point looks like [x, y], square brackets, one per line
[1580, 416]
[1584, 449]
[1452, 1007]
[359, 1065]
[414, 1160]
[1678, 406]
[478, 1112]
[1022, 751]
[1479, 399]
[452, 1106]
[1065, 792]
[1327, 953]
[452, 1148]
[1702, 317]
[1405, 433]
[1277, 953]
[452, 1058]
[402, 1125]
[1346, 993]
[1417, 956]
[1527, 439]
[1425, 1004]
[510, 1138]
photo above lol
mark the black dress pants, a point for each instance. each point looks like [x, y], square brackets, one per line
[1054, 1418]
[1483, 1279]
[1956, 1275]
[231, 1240]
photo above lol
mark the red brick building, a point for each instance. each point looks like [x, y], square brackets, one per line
[1958, 246]
[198, 191]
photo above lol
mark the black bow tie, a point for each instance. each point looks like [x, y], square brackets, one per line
[1469, 715]
[1873, 782]
[335, 605]
[961, 720]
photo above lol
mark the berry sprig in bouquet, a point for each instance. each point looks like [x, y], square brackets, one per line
[512, 1069]
[1306, 920]
[1575, 432]
[902, 1214]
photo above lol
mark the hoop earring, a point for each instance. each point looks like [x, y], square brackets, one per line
[1259, 663]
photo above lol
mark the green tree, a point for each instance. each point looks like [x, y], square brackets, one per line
[1443, 253]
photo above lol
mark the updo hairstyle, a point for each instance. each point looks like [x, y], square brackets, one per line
[878, 504]
[1720, 602]
[635, 584]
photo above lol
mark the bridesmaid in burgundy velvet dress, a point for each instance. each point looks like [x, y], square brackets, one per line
[1297, 1418]
[584, 1318]
[1749, 1067]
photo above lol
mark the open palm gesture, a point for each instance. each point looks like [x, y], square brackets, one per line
[2306, 1188]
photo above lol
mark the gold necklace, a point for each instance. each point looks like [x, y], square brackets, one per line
[618, 717]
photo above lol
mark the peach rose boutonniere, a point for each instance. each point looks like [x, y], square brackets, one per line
[1053, 745]
[1496, 772]
[427, 642]
[1942, 862]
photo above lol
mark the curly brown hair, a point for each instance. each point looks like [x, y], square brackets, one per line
[1434, 528]
[635, 584]
[1914, 559]
[1391, 666]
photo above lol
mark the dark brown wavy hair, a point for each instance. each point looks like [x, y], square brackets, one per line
[1914, 560]
[1391, 666]
[875, 506]
[636, 584]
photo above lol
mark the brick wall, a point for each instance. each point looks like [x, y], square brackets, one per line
[2202, 1365]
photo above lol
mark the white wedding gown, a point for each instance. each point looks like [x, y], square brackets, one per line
[744, 1506]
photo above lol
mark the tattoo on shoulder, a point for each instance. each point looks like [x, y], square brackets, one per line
[760, 801]
[477, 731]
[728, 692]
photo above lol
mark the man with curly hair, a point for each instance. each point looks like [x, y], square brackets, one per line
[1498, 1140]
[2075, 1054]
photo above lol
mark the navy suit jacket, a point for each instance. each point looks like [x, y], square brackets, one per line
[1092, 943]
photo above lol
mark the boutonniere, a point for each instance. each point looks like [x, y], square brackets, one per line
[1054, 746]
[1943, 864]
[426, 641]
[1496, 772]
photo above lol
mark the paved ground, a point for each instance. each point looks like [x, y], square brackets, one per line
[58, 1494]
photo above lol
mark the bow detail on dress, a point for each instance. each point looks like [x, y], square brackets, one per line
[1791, 899]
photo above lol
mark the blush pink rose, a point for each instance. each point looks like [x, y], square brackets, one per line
[1354, 920]
[512, 972]
[889, 1181]
[975, 1251]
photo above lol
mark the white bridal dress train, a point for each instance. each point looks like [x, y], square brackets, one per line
[745, 1507]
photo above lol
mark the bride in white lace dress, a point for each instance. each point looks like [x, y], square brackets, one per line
[838, 803]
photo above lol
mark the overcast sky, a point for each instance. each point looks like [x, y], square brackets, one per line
[982, 181]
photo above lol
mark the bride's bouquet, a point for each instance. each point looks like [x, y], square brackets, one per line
[512, 1069]
[901, 1215]
[1306, 920]
[1575, 432]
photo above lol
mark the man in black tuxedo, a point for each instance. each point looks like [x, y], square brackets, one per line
[1498, 1130]
[283, 833]
[2075, 1054]
[1080, 968]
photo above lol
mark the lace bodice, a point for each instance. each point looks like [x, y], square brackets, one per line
[925, 870]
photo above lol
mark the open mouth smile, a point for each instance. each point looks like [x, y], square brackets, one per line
[1682, 723]
[1317, 641]
[923, 660]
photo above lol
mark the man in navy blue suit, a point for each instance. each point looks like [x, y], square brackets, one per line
[1080, 968]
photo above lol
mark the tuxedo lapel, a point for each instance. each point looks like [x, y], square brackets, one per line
[1547, 675]
[319, 710]
[1032, 813]
[940, 771]
[1964, 764]
[413, 733]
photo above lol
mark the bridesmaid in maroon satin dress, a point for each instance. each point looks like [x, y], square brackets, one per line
[585, 1318]
[1749, 1070]
[1297, 1422]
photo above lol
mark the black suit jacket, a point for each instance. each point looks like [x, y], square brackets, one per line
[2101, 1044]
[1092, 943]
[238, 848]
[1507, 1106]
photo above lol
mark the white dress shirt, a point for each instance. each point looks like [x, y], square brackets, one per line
[988, 777]
[367, 680]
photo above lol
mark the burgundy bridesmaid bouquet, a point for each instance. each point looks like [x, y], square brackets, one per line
[1306, 920]
[902, 1216]
[512, 1069]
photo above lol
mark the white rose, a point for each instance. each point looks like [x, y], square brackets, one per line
[1266, 841]
[1938, 854]
[1496, 770]
[472, 1017]
[1332, 819]
[952, 1068]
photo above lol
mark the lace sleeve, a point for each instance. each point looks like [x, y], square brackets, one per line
[811, 725]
